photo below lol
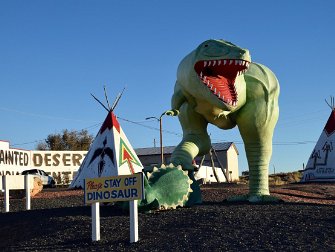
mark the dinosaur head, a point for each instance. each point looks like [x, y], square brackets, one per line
[217, 65]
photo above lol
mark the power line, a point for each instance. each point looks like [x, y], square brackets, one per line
[141, 123]
[36, 141]
[150, 127]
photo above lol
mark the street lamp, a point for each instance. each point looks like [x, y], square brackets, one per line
[173, 112]
[160, 134]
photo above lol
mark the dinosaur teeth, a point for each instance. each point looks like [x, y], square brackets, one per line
[226, 62]
[239, 67]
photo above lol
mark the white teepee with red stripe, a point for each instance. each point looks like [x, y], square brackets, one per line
[321, 164]
[109, 155]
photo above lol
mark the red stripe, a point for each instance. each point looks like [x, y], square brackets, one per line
[110, 122]
[330, 126]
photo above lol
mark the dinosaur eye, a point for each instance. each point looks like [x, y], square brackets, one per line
[206, 45]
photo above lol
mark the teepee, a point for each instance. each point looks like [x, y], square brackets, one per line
[321, 163]
[109, 155]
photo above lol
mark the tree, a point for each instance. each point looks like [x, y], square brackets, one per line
[67, 140]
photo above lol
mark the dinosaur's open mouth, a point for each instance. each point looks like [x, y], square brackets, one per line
[219, 76]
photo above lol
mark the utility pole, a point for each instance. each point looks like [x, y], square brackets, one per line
[160, 134]
[173, 112]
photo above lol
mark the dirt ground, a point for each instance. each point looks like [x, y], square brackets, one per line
[59, 221]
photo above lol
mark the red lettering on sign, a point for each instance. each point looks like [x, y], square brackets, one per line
[90, 185]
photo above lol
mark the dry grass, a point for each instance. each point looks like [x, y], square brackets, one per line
[278, 179]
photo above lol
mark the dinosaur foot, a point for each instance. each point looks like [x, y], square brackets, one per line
[254, 198]
[168, 187]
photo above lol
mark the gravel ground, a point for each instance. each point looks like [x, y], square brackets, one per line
[58, 221]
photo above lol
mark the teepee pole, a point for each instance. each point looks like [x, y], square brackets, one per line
[100, 102]
[332, 103]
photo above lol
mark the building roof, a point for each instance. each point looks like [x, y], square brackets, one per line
[169, 149]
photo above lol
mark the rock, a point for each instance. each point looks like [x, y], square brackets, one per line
[20, 194]
[38, 186]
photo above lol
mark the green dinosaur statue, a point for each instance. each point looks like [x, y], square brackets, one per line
[217, 83]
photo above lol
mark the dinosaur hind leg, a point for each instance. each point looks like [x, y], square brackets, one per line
[195, 142]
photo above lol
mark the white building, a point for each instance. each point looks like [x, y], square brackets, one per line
[226, 157]
[63, 165]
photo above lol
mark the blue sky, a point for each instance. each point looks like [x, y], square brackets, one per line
[53, 54]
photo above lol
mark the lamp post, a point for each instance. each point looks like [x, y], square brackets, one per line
[160, 134]
[173, 112]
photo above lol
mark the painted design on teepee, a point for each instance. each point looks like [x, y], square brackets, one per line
[101, 152]
[330, 126]
[126, 155]
[321, 163]
[109, 123]
[316, 155]
[108, 154]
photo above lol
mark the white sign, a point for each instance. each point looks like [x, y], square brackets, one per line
[59, 164]
[116, 188]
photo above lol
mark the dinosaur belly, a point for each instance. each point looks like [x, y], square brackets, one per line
[215, 116]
